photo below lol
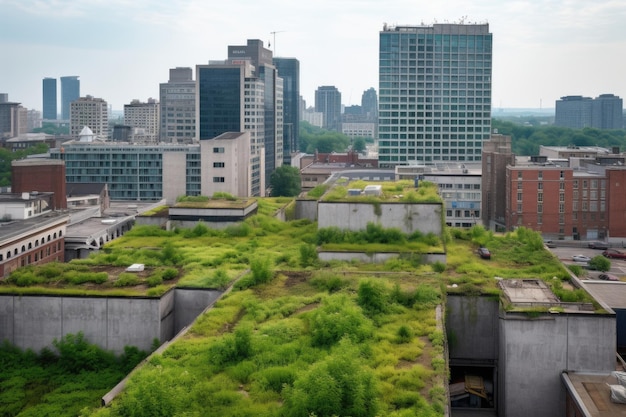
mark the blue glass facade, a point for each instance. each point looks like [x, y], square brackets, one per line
[289, 71]
[49, 99]
[220, 91]
[70, 91]
[434, 93]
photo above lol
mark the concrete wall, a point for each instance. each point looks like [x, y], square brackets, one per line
[33, 322]
[472, 328]
[306, 209]
[409, 218]
[190, 303]
[375, 257]
[534, 352]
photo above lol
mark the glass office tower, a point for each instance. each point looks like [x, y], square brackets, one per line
[289, 71]
[434, 93]
[49, 98]
[70, 91]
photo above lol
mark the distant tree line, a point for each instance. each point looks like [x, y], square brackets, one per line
[526, 140]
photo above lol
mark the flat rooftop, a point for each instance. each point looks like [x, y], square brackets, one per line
[592, 392]
[9, 230]
[524, 291]
[612, 294]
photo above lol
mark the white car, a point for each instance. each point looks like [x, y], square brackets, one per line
[580, 258]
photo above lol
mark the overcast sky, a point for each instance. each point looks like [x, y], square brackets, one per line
[123, 49]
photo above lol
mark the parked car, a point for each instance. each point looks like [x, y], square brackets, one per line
[598, 245]
[549, 243]
[608, 277]
[484, 253]
[614, 253]
[580, 258]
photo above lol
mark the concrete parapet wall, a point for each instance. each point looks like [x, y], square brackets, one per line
[408, 217]
[34, 322]
[306, 209]
[377, 257]
[534, 353]
[472, 327]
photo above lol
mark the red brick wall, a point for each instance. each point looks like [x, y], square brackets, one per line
[43, 178]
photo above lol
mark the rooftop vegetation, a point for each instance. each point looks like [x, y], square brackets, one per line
[398, 191]
[300, 337]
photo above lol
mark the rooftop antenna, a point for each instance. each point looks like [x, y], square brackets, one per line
[274, 40]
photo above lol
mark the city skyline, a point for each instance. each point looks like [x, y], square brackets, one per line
[123, 50]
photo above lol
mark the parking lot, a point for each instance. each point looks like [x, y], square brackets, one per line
[565, 254]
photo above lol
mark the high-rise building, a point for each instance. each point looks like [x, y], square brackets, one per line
[178, 107]
[13, 119]
[434, 93]
[143, 118]
[369, 105]
[328, 102]
[289, 71]
[50, 98]
[574, 112]
[608, 112]
[91, 112]
[70, 91]
[244, 93]
[577, 112]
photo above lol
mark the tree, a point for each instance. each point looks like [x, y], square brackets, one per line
[600, 263]
[285, 181]
[359, 144]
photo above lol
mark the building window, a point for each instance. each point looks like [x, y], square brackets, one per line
[561, 186]
[561, 218]
[594, 183]
[540, 175]
[519, 185]
[575, 184]
[539, 208]
[561, 207]
[519, 207]
[519, 196]
[540, 186]
[539, 218]
[540, 197]
[218, 179]
[562, 175]
[561, 196]
[519, 175]
[218, 164]
[575, 206]
[218, 150]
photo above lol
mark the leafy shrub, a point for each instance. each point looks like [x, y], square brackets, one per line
[154, 279]
[600, 263]
[372, 297]
[232, 348]
[261, 270]
[275, 378]
[439, 266]
[308, 255]
[169, 273]
[25, 277]
[200, 229]
[170, 255]
[404, 334]
[337, 386]
[224, 195]
[126, 279]
[80, 277]
[338, 317]
[328, 281]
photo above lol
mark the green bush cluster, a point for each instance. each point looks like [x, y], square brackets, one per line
[126, 279]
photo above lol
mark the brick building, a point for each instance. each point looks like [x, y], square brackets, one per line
[48, 175]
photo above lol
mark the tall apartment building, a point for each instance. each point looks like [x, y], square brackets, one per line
[91, 112]
[369, 105]
[178, 107]
[49, 98]
[70, 91]
[577, 112]
[328, 102]
[144, 119]
[434, 93]
[13, 119]
[289, 71]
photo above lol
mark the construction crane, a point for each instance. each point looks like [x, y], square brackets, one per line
[274, 40]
